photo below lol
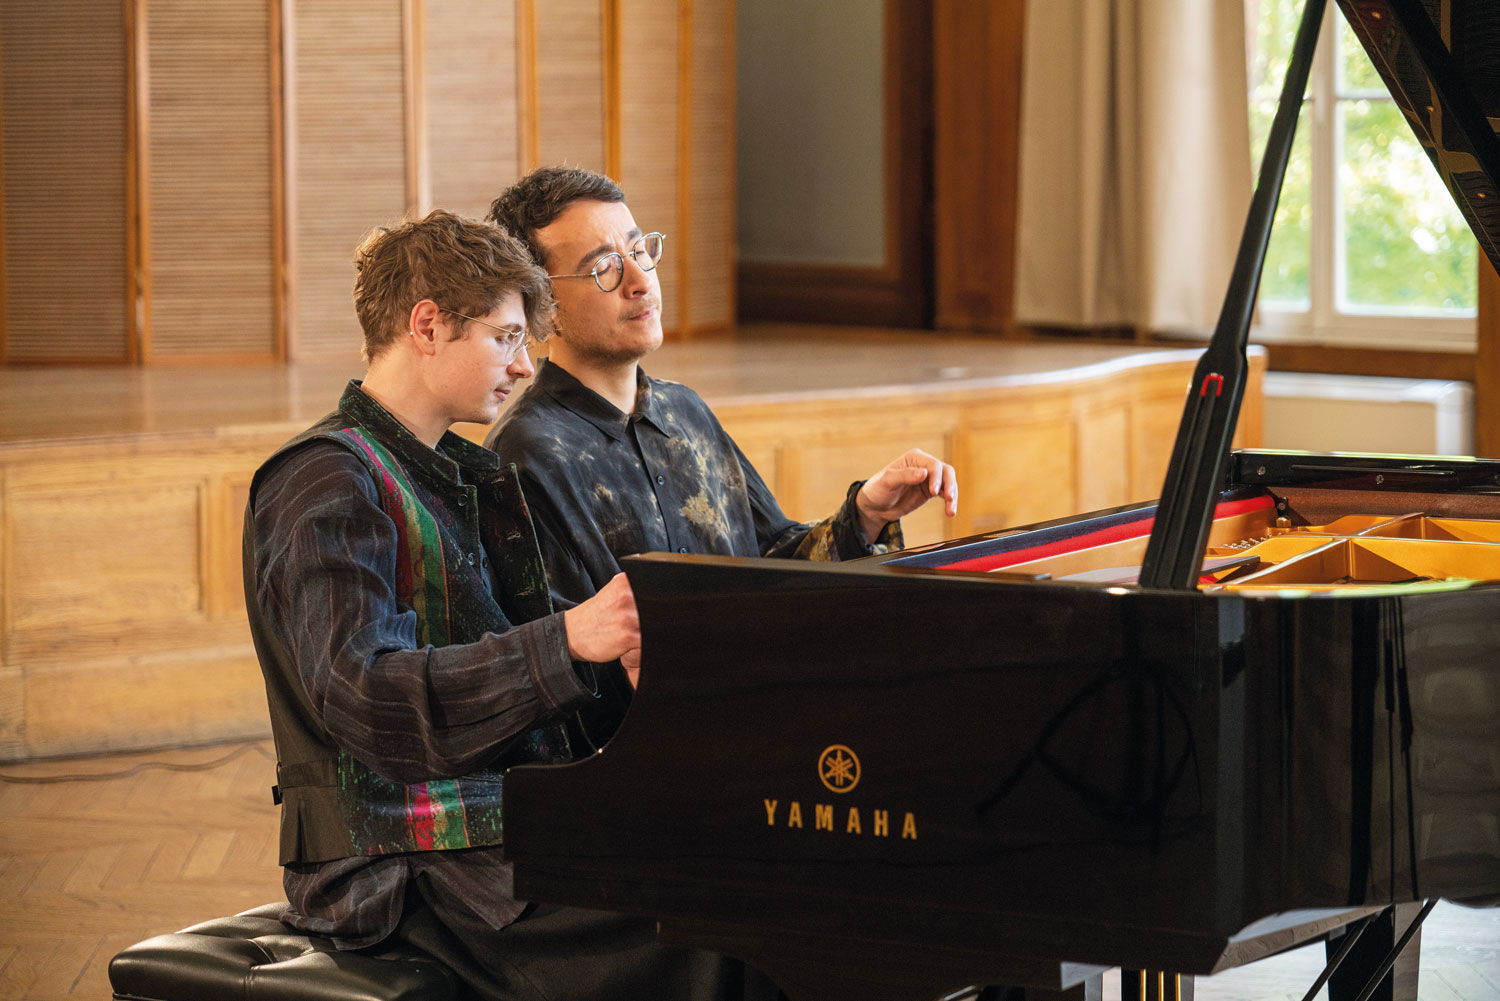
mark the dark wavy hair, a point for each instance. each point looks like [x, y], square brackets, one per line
[540, 197]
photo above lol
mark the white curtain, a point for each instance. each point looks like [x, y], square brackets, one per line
[1135, 171]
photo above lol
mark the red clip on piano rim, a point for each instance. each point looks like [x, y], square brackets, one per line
[1115, 533]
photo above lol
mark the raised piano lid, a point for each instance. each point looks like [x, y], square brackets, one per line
[1440, 59]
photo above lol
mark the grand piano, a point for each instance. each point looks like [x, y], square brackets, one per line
[1172, 737]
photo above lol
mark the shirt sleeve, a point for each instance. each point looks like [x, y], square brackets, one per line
[325, 572]
[570, 576]
[837, 537]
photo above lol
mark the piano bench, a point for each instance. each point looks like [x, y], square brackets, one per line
[254, 957]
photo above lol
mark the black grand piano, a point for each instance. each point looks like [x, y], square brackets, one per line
[1171, 737]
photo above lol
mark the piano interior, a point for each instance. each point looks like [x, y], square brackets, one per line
[1295, 541]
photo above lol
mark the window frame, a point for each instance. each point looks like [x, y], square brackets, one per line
[1324, 322]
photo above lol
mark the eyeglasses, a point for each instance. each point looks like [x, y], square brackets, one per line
[609, 270]
[513, 342]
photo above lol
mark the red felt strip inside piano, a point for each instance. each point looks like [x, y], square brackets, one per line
[1103, 536]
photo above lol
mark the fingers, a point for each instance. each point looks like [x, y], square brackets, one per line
[891, 494]
[605, 626]
[948, 490]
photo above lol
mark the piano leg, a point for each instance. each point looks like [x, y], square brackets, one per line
[1371, 949]
[1155, 985]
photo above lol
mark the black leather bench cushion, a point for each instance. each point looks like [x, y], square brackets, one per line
[254, 957]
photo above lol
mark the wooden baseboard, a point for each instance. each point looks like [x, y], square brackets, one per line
[1371, 361]
[795, 293]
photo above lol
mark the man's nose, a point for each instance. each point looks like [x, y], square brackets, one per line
[636, 280]
[521, 365]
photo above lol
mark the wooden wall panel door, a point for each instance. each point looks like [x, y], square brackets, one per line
[706, 189]
[782, 283]
[208, 170]
[347, 156]
[64, 83]
[470, 97]
[976, 130]
[648, 133]
[570, 87]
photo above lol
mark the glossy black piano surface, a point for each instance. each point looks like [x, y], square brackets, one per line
[912, 750]
[999, 759]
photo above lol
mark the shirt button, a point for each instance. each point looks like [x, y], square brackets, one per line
[460, 502]
[682, 549]
[661, 479]
[471, 559]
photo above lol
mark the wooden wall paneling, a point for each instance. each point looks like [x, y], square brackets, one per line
[138, 171]
[820, 446]
[1103, 457]
[1155, 412]
[131, 632]
[1017, 471]
[570, 84]
[12, 678]
[648, 133]
[276, 100]
[528, 123]
[131, 553]
[767, 454]
[4, 258]
[1487, 363]
[682, 167]
[347, 158]
[414, 84]
[706, 176]
[211, 239]
[472, 101]
[611, 42]
[286, 105]
[64, 81]
[832, 462]
[224, 521]
[976, 132]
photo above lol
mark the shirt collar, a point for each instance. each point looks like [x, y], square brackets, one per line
[459, 460]
[564, 387]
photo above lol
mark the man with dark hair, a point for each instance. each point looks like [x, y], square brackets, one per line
[410, 648]
[615, 462]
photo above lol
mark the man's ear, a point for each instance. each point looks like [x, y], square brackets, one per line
[424, 326]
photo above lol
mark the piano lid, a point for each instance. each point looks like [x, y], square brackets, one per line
[1440, 59]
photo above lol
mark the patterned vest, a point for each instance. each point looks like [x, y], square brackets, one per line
[332, 805]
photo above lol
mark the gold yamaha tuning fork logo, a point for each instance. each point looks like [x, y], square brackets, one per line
[839, 771]
[838, 767]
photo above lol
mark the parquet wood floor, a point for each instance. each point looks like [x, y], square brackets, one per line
[88, 867]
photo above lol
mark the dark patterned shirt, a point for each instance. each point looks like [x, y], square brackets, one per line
[325, 592]
[666, 478]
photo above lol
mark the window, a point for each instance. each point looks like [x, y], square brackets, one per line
[1368, 248]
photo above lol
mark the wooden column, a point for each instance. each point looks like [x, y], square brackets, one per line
[977, 51]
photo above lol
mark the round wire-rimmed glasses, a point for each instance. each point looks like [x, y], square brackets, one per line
[514, 340]
[609, 270]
